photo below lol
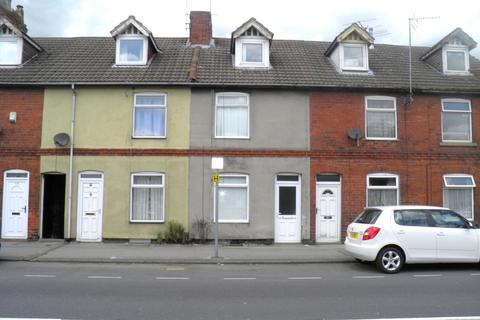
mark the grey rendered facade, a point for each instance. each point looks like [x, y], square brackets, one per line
[278, 121]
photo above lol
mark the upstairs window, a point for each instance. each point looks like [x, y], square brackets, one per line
[458, 194]
[381, 118]
[150, 114]
[10, 50]
[353, 57]
[382, 189]
[131, 50]
[252, 52]
[456, 60]
[456, 120]
[232, 115]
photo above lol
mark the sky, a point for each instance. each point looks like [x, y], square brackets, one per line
[300, 19]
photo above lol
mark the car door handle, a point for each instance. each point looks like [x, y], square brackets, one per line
[441, 234]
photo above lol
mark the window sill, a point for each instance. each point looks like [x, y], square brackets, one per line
[458, 144]
[232, 138]
[233, 222]
[146, 222]
[140, 137]
[381, 139]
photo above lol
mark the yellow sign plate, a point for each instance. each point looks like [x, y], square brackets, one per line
[216, 178]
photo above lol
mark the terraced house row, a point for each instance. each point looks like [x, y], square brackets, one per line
[113, 137]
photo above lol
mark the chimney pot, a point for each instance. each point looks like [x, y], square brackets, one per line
[200, 28]
[19, 12]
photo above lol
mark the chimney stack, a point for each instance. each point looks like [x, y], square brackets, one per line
[200, 29]
[19, 12]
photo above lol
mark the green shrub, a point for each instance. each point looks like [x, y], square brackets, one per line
[175, 233]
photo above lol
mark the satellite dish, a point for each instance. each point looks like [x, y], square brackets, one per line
[61, 139]
[355, 134]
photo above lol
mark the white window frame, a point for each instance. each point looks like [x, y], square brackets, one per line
[365, 57]
[239, 52]
[394, 111]
[459, 111]
[248, 114]
[383, 175]
[131, 63]
[135, 105]
[447, 186]
[157, 186]
[466, 53]
[19, 41]
[238, 185]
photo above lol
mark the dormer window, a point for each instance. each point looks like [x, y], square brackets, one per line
[354, 57]
[135, 43]
[131, 50]
[349, 50]
[455, 60]
[10, 50]
[250, 45]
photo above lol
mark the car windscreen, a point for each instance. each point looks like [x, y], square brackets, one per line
[368, 216]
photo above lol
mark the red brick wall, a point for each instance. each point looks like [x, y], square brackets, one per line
[22, 141]
[417, 157]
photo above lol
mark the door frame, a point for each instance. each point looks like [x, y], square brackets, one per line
[319, 184]
[4, 200]
[298, 193]
[80, 206]
[42, 196]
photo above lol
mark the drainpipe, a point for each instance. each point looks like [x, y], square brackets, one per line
[70, 165]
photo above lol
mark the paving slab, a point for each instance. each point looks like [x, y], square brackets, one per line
[194, 254]
[27, 250]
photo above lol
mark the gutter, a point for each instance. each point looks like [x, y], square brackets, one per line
[70, 164]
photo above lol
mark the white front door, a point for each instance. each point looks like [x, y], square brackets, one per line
[15, 205]
[90, 207]
[328, 204]
[287, 208]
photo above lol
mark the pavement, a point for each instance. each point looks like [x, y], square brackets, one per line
[139, 252]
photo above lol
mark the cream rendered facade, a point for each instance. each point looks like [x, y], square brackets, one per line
[103, 131]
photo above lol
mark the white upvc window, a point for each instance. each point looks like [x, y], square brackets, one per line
[456, 120]
[381, 118]
[131, 50]
[455, 60]
[382, 189]
[147, 197]
[11, 50]
[458, 194]
[252, 52]
[353, 57]
[150, 115]
[232, 115]
[233, 198]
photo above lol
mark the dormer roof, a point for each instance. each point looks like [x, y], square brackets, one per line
[457, 34]
[11, 23]
[132, 26]
[251, 28]
[353, 33]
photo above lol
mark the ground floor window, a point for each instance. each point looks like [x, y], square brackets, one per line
[382, 189]
[233, 198]
[458, 194]
[147, 197]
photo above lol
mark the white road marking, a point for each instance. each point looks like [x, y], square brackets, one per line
[28, 319]
[103, 277]
[426, 275]
[475, 274]
[368, 277]
[239, 278]
[172, 278]
[175, 268]
[39, 276]
[304, 278]
[430, 318]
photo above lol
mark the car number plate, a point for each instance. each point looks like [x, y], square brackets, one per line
[354, 235]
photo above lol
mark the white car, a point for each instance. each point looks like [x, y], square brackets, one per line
[394, 235]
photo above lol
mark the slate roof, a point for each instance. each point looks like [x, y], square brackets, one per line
[295, 64]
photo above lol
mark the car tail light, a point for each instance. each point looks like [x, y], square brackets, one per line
[370, 233]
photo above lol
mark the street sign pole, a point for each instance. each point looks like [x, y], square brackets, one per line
[217, 164]
[215, 208]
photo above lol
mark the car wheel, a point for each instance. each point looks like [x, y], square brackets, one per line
[390, 260]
